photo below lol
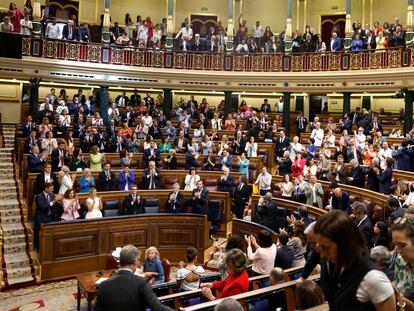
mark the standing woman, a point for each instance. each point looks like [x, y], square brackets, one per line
[77, 162]
[94, 205]
[385, 178]
[189, 274]
[28, 8]
[355, 283]
[71, 206]
[287, 187]
[150, 27]
[66, 180]
[206, 144]
[244, 165]
[265, 252]
[15, 15]
[191, 180]
[87, 181]
[251, 148]
[95, 159]
[128, 26]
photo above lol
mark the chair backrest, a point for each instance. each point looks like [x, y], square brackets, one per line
[151, 209]
[166, 265]
[111, 208]
[151, 202]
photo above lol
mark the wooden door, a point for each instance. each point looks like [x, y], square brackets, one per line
[202, 23]
[329, 23]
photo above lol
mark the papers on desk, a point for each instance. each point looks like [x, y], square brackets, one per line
[100, 280]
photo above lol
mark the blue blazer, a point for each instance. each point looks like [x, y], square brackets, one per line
[122, 180]
[229, 161]
[337, 46]
[385, 180]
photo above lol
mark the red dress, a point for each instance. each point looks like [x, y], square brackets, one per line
[15, 19]
[297, 167]
[233, 284]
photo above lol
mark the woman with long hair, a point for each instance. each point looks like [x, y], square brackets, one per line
[95, 159]
[381, 235]
[298, 241]
[355, 282]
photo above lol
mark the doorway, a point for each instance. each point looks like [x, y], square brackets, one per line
[329, 23]
[202, 23]
[316, 103]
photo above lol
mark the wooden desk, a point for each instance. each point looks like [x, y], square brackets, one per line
[87, 286]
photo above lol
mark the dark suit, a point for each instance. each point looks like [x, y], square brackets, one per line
[105, 183]
[200, 205]
[40, 183]
[284, 257]
[27, 128]
[366, 229]
[184, 146]
[301, 124]
[56, 159]
[190, 161]
[282, 146]
[266, 214]
[226, 185]
[358, 176]
[125, 291]
[336, 46]
[385, 180]
[151, 181]
[239, 149]
[372, 180]
[44, 214]
[172, 165]
[208, 166]
[35, 163]
[155, 156]
[131, 206]
[67, 36]
[342, 203]
[177, 205]
[240, 198]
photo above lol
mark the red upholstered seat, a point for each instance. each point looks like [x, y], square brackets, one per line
[166, 265]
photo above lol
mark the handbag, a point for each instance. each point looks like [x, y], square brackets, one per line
[403, 303]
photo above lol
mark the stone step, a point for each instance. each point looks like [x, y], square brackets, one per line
[15, 248]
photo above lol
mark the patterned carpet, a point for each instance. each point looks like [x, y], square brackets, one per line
[58, 296]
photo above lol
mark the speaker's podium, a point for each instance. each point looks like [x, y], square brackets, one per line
[12, 47]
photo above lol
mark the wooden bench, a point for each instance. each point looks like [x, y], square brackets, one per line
[376, 202]
[70, 248]
[176, 300]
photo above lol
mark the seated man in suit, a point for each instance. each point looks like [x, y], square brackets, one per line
[226, 160]
[36, 160]
[175, 203]
[126, 179]
[151, 154]
[200, 199]
[209, 161]
[360, 211]
[241, 196]
[225, 182]
[132, 203]
[180, 143]
[285, 253]
[191, 159]
[47, 210]
[47, 176]
[151, 177]
[106, 179]
[126, 291]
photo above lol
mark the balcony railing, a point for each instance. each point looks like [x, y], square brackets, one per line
[130, 56]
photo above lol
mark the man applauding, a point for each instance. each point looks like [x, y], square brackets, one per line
[175, 203]
[151, 177]
[200, 199]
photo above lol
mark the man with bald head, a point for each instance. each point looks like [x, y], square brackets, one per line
[126, 291]
[225, 182]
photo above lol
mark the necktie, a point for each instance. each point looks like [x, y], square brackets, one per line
[61, 158]
[240, 187]
[107, 175]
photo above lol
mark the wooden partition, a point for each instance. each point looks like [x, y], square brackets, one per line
[402, 175]
[369, 197]
[173, 176]
[70, 248]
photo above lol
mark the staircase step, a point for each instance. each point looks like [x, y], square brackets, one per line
[12, 229]
[19, 238]
[15, 248]
[17, 260]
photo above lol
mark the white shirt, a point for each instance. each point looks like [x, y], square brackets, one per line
[65, 120]
[294, 150]
[60, 108]
[264, 178]
[257, 31]
[384, 154]
[374, 287]
[360, 140]
[185, 33]
[317, 135]
[42, 107]
[53, 31]
[25, 31]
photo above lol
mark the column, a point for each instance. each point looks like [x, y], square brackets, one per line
[288, 33]
[37, 14]
[408, 111]
[167, 103]
[169, 41]
[347, 102]
[286, 112]
[230, 27]
[348, 27]
[104, 103]
[227, 103]
[105, 36]
[409, 36]
[34, 97]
